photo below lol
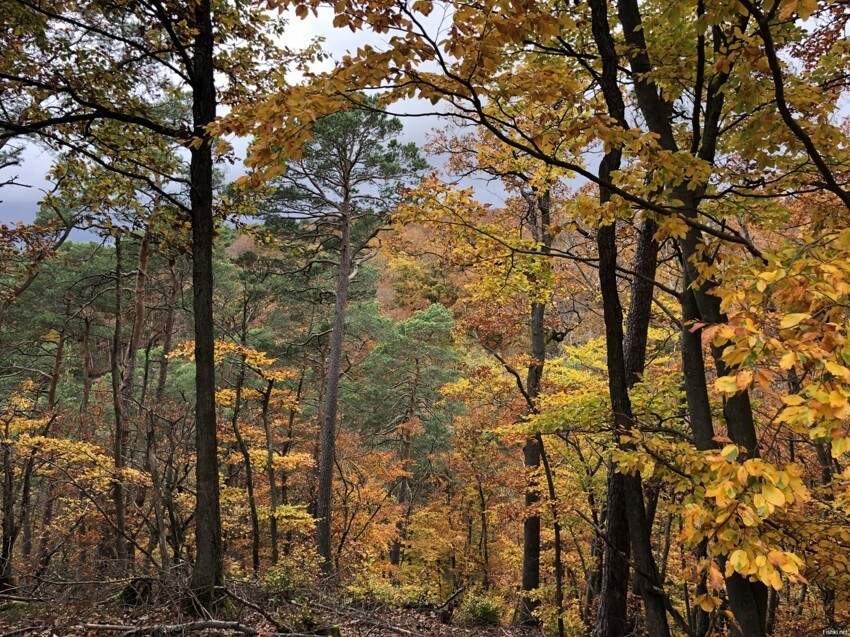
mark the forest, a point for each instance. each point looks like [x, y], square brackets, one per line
[577, 364]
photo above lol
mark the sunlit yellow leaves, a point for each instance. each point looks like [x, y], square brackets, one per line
[773, 495]
[727, 385]
[839, 446]
[788, 360]
[727, 499]
[707, 602]
[729, 453]
[672, 226]
[838, 370]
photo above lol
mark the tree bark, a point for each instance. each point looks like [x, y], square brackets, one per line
[324, 495]
[119, 443]
[270, 472]
[8, 530]
[539, 214]
[249, 471]
[208, 569]
[159, 397]
[404, 492]
[627, 528]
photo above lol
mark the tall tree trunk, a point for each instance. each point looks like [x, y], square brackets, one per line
[539, 214]
[626, 360]
[270, 472]
[119, 443]
[159, 396]
[484, 543]
[7, 530]
[26, 499]
[55, 372]
[556, 524]
[404, 492]
[246, 458]
[324, 496]
[87, 374]
[747, 599]
[208, 569]
[639, 533]
[130, 356]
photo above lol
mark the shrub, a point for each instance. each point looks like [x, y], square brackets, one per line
[481, 608]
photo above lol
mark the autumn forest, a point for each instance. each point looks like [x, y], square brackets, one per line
[576, 362]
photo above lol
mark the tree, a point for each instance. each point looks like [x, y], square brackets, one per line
[174, 47]
[340, 192]
[418, 355]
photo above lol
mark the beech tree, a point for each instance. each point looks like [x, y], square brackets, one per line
[172, 49]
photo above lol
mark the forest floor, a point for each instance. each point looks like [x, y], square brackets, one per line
[102, 619]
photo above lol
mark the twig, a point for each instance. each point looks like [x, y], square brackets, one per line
[163, 630]
[19, 598]
[366, 619]
[278, 625]
[452, 597]
[18, 631]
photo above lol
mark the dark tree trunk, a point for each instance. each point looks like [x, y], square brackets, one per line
[324, 496]
[530, 535]
[208, 568]
[159, 397]
[119, 443]
[539, 214]
[8, 531]
[404, 491]
[246, 458]
[639, 532]
[270, 472]
[556, 524]
[627, 527]
[86, 356]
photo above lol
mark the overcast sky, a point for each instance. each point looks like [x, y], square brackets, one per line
[21, 203]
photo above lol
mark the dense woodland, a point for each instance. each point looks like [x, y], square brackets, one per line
[345, 389]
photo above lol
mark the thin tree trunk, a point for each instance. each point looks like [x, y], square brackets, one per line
[324, 497]
[159, 397]
[120, 434]
[129, 376]
[404, 492]
[484, 544]
[86, 355]
[267, 427]
[8, 530]
[539, 214]
[249, 471]
[559, 565]
[130, 358]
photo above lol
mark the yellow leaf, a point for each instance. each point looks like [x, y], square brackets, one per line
[790, 320]
[727, 384]
[837, 370]
[730, 452]
[707, 602]
[839, 446]
[773, 495]
[788, 360]
[739, 560]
